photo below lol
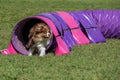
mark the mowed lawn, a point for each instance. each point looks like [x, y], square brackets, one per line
[99, 61]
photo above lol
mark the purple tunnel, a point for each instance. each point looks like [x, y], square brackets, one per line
[96, 25]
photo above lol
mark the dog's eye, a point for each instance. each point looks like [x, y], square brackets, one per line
[37, 32]
[45, 32]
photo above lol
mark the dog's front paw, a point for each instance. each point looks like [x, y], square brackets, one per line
[30, 54]
[41, 55]
[42, 51]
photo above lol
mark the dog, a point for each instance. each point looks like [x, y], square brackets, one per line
[38, 39]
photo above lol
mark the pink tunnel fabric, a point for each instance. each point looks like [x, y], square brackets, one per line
[78, 35]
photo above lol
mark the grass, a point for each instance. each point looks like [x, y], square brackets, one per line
[85, 62]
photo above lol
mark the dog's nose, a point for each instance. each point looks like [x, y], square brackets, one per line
[48, 34]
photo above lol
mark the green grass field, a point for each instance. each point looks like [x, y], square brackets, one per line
[85, 62]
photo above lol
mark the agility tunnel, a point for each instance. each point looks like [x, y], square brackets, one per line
[68, 28]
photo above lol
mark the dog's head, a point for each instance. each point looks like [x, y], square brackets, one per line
[39, 30]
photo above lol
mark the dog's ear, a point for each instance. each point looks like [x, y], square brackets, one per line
[30, 37]
[31, 33]
[29, 43]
